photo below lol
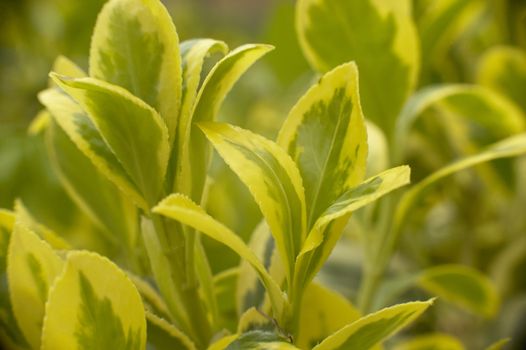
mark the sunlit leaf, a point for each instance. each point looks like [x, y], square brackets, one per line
[102, 307]
[135, 46]
[332, 32]
[182, 209]
[131, 128]
[272, 178]
[370, 330]
[32, 266]
[463, 286]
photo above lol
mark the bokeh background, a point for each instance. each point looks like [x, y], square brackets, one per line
[34, 32]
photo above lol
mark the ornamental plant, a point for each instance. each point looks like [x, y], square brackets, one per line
[132, 140]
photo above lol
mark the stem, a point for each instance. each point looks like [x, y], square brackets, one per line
[175, 243]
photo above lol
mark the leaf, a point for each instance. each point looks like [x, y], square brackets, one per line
[273, 180]
[370, 330]
[499, 345]
[510, 147]
[432, 341]
[323, 312]
[8, 322]
[65, 66]
[182, 209]
[130, 127]
[250, 292]
[209, 99]
[92, 191]
[163, 335]
[326, 136]
[475, 103]
[332, 32]
[39, 123]
[327, 230]
[503, 69]
[102, 307]
[463, 286]
[222, 343]
[135, 46]
[83, 133]
[225, 284]
[194, 53]
[32, 266]
[260, 340]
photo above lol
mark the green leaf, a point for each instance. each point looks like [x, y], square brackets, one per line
[135, 46]
[216, 86]
[323, 312]
[510, 147]
[64, 66]
[260, 340]
[163, 335]
[326, 136]
[131, 128]
[222, 343]
[84, 134]
[463, 286]
[225, 284]
[327, 230]
[370, 330]
[102, 307]
[504, 70]
[194, 53]
[92, 191]
[499, 345]
[273, 180]
[8, 322]
[475, 103]
[32, 266]
[433, 341]
[332, 32]
[182, 209]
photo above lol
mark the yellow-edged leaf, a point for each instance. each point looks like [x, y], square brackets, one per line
[370, 330]
[216, 86]
[463, 286]
[332, 32]
[163, 335]
[182, 209]
[273, 179]
[132, 129]
[32, 266]
[101, 305]
[135, 46]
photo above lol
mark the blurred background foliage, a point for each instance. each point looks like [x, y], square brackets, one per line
[464, 220]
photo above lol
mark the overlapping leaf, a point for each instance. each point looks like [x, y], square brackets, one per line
[132, 129]
[332, 32]
[135, 46]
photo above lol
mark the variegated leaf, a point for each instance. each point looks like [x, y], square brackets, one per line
[182, 209]
[163, 335]
[326, 136]
[32, 266]
[332, 32]
[463, 286]
[135, 46]
[370, 330]
[10, 331]
[260, 340]
[92, 191]
[323, 312]
[272, 178]
[209, 99]
[132, 129]
[194, 53]
[101, 305]
[81, 130]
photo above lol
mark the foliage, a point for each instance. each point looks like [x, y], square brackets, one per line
[132, 139]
